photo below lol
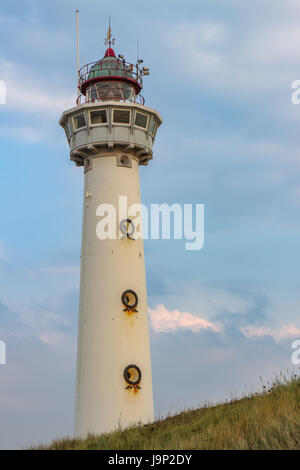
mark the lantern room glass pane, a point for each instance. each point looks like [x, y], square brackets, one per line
[110, 90]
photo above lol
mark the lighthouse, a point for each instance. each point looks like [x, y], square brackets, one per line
[111, 134]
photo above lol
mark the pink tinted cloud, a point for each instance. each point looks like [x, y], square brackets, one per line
[279, 334]
[163, 320]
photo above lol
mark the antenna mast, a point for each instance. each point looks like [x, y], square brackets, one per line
[109, 40]
[77, 40]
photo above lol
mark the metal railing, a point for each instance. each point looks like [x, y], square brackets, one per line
[84, 99]
[113, 68]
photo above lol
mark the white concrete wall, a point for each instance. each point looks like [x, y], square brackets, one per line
[108, 338]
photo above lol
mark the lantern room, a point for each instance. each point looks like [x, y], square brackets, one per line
[111, 78]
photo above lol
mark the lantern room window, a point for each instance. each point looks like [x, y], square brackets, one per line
[79, 121]
[121, 116]
[110, 90]
[141, 120]
[98, 117]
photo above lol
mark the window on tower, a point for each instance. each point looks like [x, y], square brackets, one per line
[141, 120]
[79, 121]
[121, 116]
[98, 117]
[68, 129]
[152, 127]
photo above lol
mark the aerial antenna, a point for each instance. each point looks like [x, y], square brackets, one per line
[77, 40]
[138, 60]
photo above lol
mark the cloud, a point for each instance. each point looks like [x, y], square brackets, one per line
[55, 339]
[229, 58]
[227, 319]
[278, 44]
[50, 320]
[33, 95]
[31, 135]
[279, 334]
[198, 43]
[216, 302]
[270, 165]
[163, 320]
[195, 46]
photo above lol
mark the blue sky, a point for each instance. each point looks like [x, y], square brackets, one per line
[221, 74]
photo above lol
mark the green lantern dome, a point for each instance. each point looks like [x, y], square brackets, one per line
[110, 66]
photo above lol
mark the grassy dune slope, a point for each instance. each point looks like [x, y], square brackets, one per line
[267, 421]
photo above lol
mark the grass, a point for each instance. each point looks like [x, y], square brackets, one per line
[270, 420]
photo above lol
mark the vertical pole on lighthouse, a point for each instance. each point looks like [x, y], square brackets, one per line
[77, 47]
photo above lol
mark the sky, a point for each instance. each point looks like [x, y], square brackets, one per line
[221, 317]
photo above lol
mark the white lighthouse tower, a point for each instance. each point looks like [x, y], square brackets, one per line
[110, 133]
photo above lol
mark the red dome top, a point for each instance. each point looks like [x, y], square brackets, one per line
[110, 52]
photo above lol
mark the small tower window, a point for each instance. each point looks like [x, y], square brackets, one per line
[124, 161]
[141, 120]
[121, 116]
[68, 130]
[79, 121]
[98, 117]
